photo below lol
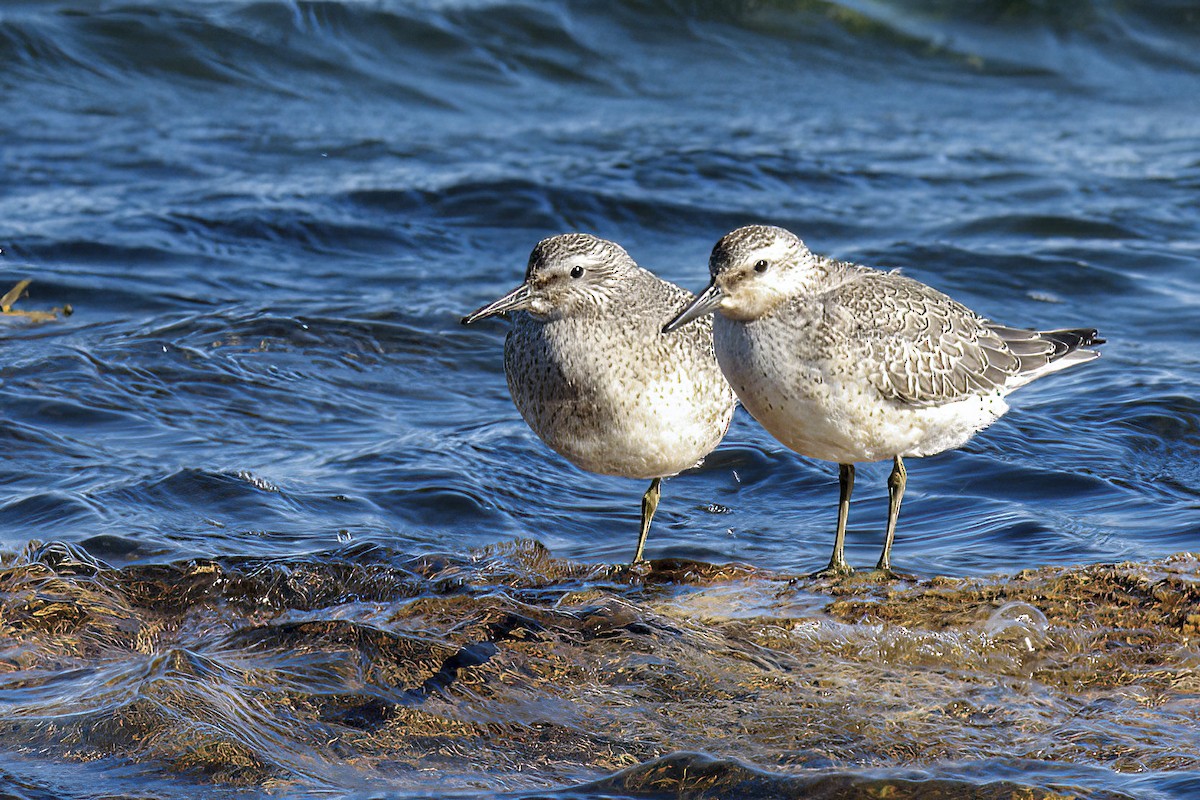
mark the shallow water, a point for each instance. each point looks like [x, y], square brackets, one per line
[268, 218]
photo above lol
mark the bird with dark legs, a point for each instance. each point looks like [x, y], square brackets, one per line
[849, 364]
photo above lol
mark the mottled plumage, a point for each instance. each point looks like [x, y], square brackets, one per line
[592, 373]
[846, 363]
[933, 350]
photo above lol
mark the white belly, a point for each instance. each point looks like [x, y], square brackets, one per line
[832, 412]
[662, 434]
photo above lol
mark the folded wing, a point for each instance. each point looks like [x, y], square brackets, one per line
[924, 348]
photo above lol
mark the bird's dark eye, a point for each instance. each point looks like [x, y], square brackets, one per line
[761, 265]
[576, 272]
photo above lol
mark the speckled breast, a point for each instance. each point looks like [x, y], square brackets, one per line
[628, 401]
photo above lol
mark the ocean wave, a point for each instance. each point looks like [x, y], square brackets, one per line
[414, 53]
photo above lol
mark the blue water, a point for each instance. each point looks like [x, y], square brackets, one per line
[268, 218]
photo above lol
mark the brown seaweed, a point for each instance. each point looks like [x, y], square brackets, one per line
[512, 670]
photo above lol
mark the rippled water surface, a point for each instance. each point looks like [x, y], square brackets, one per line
[270, 523]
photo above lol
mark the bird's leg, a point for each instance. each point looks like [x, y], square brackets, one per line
[896, 483]
[837, 563]
[649, 506]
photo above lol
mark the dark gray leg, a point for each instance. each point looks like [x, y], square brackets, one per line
[649, 506]
[896, 483]
[837, 563]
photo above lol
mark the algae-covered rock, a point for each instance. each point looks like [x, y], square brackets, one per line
[509, 669]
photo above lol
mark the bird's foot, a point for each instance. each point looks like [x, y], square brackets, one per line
[886, 575]
[634, 571]
[631, 574]
[835, 571]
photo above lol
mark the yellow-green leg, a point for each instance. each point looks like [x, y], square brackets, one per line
[896, 483]
[837, 562]
[649, 506]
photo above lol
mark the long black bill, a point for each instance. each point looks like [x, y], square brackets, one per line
[515, 300]
[706, 302]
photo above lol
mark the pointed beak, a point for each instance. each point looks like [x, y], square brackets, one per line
[516, 300]
[707, 302]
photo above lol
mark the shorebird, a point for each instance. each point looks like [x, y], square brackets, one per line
[846, 363]
[595, 378]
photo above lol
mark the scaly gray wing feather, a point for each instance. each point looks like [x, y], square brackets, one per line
[924, 348]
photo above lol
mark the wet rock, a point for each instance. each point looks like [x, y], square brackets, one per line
[510, 669]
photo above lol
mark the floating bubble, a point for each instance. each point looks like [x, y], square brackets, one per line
[1020, 623]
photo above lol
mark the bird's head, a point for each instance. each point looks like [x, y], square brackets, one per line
[754, 269]
[568, 274]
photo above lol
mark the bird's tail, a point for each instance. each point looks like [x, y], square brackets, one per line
[1069, 340]
[1043, 352]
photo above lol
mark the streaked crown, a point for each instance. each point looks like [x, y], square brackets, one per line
[568, 250]
[753, 243]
